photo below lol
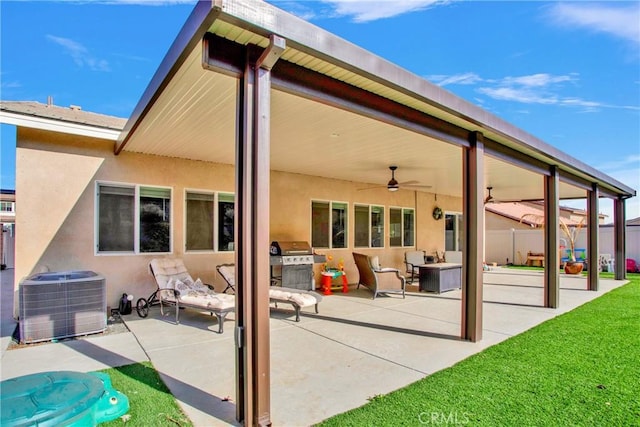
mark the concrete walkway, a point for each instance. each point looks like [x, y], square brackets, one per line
[326, 364]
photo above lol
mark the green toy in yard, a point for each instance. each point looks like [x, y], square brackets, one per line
[61, 398]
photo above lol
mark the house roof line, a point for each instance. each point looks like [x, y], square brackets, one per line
[252, 22]
[36, 115]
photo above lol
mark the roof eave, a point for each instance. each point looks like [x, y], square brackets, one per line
[265, 19]
[57, 125]
[197, 24]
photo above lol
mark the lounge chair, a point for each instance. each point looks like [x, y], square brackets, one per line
[371, 275]
[298, 298]
[227, 271]
[176, 287]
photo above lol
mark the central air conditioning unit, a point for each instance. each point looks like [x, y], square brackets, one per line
[56, 305]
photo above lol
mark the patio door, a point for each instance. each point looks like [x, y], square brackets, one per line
[453, 236]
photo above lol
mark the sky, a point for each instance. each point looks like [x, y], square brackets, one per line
[566, 72]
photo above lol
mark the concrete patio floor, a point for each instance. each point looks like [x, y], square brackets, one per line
[328, 363]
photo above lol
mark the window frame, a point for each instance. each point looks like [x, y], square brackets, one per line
[369, 225]
[10, 206]
[136, 218]
[216, 218]
[402, 228]
[330, 224]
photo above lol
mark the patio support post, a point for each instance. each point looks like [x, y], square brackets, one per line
[619, 228]
[551, 239]
[473, 213]
[593, 251]
[252, 228]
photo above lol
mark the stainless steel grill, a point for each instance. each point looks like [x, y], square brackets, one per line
[294, 260]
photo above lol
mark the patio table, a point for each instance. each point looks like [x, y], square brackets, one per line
[440, 277]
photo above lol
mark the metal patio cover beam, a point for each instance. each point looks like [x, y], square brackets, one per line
[225, 57]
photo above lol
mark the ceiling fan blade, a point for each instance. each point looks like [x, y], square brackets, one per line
[415, 186]
[412, 182]
[373, 187]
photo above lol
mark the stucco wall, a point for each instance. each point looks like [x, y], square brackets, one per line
[55, 181]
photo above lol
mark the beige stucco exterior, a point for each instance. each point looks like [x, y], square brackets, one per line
[56, 222]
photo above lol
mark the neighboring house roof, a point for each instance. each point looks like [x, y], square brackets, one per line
[534, 212]
[634, 221]
[61, 119]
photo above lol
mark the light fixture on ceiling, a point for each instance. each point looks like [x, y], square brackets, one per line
[392, 185]
[489, 197]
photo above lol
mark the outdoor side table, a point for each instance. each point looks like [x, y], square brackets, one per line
[327, 279]
[440, 277]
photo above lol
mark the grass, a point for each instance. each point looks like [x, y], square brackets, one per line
[578, 369]
[151, 403]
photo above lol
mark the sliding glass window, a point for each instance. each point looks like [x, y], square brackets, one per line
[329, 224]
[369, 226]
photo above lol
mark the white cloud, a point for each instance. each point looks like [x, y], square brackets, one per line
[459, 79]
[371, 10]
[537, 80]
[10, 85]
[621, 22]
[80, 54]
[539, 88]
[612, 165]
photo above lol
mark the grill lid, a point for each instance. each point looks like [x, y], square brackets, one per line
[290, 248]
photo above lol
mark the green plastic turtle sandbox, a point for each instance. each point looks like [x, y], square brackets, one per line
[61, 398]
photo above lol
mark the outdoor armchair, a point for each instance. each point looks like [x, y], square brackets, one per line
[413, 260]
[371, 276]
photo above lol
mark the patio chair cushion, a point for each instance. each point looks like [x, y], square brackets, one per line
[375, 262]
[301, 298]
[209, 301]
[166, 269]
[188, 287]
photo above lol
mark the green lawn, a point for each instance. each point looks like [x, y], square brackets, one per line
[578, 369]
[151, 403]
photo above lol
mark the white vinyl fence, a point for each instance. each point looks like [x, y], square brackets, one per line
[512, 246]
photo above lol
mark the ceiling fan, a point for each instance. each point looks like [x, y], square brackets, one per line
[394, 185]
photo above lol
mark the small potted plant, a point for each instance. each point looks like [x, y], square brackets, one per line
[572, 266]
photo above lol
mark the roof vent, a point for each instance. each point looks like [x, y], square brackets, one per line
[75, 107]
[49, 101]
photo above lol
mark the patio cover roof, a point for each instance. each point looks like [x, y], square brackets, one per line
[189, 111]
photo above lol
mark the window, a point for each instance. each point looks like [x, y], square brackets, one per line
[199, 221]
[6, 206]
[323, 214]
[133, 218]
[208, 229]
[402, 227]
[453, 240]
[155, 212]
[226, 214]
[369, 226]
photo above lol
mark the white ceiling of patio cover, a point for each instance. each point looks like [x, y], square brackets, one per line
[195, 118]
